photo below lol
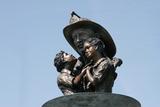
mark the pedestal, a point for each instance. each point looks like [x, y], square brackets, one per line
[93, 100]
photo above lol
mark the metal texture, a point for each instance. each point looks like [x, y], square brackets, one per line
[93, 100]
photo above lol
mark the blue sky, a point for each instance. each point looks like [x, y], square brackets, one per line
[31, 34]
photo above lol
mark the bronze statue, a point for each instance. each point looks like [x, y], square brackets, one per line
[94, 70]
[80, 29]
[67, 82]
[101, 72]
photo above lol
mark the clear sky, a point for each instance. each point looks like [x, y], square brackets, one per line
[31, 34]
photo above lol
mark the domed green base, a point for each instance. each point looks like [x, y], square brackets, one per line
[93, 100]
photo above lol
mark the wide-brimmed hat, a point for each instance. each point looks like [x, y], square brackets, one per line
[78, 22]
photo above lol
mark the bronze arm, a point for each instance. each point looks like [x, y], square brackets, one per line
[77, 79]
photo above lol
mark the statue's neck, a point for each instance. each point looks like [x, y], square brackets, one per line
[96, 57]
[69, 66]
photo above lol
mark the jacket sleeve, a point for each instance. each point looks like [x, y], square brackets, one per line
[101, 71]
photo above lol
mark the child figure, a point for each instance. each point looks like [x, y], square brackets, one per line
[67, 83]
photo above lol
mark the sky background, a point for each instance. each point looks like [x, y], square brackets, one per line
[31, 33]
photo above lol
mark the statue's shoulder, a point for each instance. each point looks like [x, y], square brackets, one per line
[65, 77]
[62, 75]
[104, 61]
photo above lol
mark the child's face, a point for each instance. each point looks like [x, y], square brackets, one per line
[90, 50]
[68, 57]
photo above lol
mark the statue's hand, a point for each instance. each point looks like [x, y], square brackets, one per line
[117, 62]
[84, 71]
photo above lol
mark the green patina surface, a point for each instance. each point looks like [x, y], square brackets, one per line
[93, 100]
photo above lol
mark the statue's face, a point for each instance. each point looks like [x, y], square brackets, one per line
[68, 57]
[79, 36]
[89, 50]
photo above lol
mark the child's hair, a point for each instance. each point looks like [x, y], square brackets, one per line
[59, 61]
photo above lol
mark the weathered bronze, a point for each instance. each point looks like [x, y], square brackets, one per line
[101, 72]
[68, 83]
[93, 99]
[76, 22]
[94, 70]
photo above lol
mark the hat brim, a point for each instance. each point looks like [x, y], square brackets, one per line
[110, 47]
